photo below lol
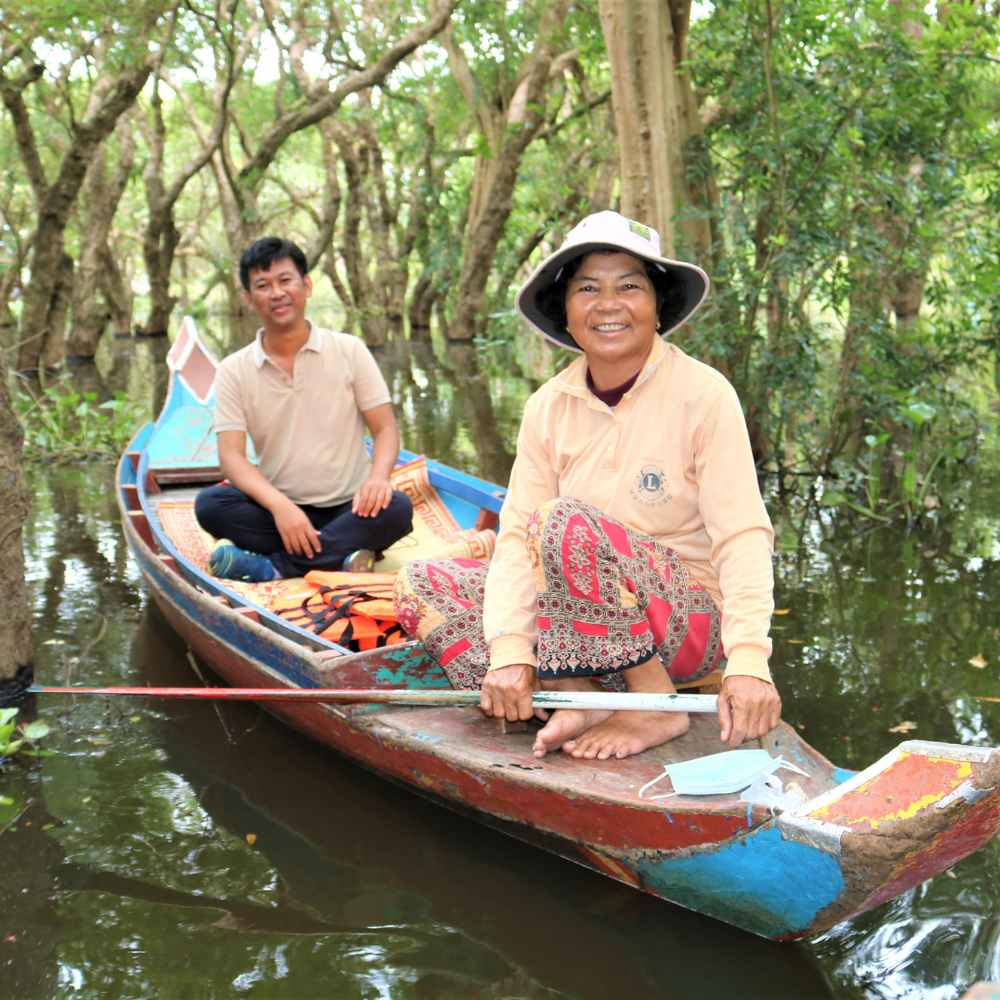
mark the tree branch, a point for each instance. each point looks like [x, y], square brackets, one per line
[13, 97]
[318, 109]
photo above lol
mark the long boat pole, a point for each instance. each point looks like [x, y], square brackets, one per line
[629, 702]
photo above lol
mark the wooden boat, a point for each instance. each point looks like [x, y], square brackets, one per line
[855, 840]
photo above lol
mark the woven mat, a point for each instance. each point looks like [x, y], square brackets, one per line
[435, 535]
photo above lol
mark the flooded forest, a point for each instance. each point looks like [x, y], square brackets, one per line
[834, 168]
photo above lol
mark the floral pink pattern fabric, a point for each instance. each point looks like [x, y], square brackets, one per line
[609, 598]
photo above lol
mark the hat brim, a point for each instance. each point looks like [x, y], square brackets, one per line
[691, 279]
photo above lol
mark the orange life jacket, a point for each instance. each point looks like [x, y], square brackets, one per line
[352, 609]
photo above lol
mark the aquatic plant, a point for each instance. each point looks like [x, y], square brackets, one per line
[13, 738]
[62, 424]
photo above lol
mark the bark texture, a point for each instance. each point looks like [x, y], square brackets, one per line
[161, 237]
[318, 99]
[663, 163]
[103, 189]
[508, 126]
[393, 213]
[111, 96]
[15, 628]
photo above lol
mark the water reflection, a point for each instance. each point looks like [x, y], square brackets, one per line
[32, 928]
[130, 873]
[882, 630]
[449, 413]
[421, 871]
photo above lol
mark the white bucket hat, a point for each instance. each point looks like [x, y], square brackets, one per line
[611, 231]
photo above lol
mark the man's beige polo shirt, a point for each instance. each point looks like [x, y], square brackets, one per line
[307, 428]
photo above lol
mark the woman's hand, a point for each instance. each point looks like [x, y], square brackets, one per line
[748, 709]
[506, 692]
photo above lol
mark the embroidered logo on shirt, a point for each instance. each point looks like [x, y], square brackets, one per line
[650, 486]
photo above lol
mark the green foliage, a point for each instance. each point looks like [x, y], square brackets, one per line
[854, 271]
[62, 424]
[13, 737]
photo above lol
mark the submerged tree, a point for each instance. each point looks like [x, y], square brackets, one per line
[834, 168]
[302, 100]
[849, 153]
[15, 631]
[657, 120]
[114, 56]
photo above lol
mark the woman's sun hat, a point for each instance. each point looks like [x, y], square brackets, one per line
[611, 231]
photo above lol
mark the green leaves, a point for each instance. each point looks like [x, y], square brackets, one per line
[855, 266]
[12, 739]
[65, 425]
[36, 730]
[8, 723]
[919, 414]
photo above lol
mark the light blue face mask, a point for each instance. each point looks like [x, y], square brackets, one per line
[722, 773]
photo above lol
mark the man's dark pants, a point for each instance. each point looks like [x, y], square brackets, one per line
[226, 512]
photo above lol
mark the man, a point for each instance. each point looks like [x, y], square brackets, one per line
[304, 395]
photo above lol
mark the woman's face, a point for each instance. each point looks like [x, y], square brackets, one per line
[611, 314]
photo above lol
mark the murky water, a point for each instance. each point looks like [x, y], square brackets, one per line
[174, 850]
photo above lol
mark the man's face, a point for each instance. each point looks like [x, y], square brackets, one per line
[279, 295]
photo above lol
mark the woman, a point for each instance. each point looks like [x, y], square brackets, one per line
[634, 548]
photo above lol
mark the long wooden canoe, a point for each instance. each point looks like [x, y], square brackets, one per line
[854, 841]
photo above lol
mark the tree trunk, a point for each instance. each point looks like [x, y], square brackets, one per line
[11, 285]
[117, 292]
[866, 312]
[8, 327]
[161, 236]
[122, 355]
[474, 398]
[243, 321]
[110, 98]
[15, 631]
[657, 119]
[378, 277]
[639, 37]
[508, 132]
[54, 344]
[316, 101]
[422, 299]
[158, 249]
[362, 313]
[100, 197]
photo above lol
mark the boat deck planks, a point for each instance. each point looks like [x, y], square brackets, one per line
[466, 739]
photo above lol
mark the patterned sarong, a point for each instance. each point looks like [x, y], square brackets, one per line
[609, 598]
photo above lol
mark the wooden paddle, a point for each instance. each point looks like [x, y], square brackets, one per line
[634, 702]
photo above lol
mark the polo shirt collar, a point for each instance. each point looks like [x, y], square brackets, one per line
[573, 379]
[260, 355]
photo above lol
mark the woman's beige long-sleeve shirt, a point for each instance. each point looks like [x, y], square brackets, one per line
[671, 460]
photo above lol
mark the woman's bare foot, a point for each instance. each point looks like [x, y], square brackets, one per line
[623, 734]
[626, 733]
[563, 725]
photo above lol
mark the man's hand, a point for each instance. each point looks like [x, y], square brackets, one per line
[748, 709]
[506, 692]
[297, 533]
[372, 498]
